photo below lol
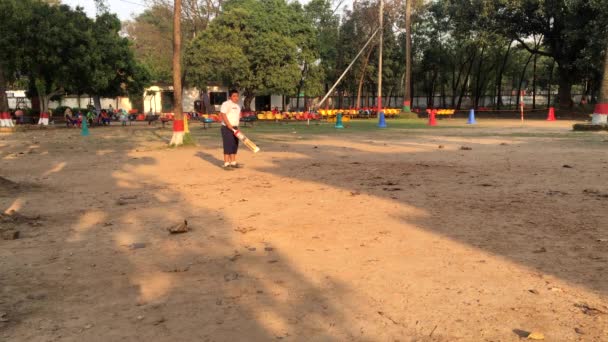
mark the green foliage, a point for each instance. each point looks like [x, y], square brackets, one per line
[59, 49]
[111, 70]
[260, 46]
[151, 36]
[574, 33]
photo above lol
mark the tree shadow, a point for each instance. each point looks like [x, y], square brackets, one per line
[103, 267]
[79, 276]
[536, 222]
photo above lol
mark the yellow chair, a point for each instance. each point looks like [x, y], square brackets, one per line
[261, 116]
[278, 116]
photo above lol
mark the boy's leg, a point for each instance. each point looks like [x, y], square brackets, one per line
[227, 144]
[236, 148]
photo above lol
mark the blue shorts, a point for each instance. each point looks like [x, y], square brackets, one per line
[231, 142]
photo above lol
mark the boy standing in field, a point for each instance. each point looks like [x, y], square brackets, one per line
[231, 114]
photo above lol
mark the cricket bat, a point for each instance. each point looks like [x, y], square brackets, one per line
[253, 147]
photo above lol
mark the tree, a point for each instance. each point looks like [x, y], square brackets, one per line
[571, 30]
[327, 25]
[178, 117]
[151, 35]
[256, 45]
[56, 53]
[10, 53]
[196, 14]
[110, 68]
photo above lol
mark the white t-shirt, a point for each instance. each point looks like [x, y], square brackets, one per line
[232, 111]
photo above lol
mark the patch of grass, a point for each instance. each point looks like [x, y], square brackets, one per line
[327, 128]
[189, 140]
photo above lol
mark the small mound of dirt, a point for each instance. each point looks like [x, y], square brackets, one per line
[7, 183]
[8, 187]
[13, 223]
[15, 218]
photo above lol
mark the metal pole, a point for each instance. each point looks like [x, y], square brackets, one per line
[348, 68]
[379, 102]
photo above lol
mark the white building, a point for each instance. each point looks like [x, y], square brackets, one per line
[156, 99]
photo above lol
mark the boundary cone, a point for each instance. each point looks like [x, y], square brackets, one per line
[381, 120]
[85, 127]
[551, 115]
[339, 121]
[432, 119]
[471, 120]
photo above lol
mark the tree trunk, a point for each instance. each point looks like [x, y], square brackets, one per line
[466, 80]
[407, 95]
[604, 86]
[97, 103]
[534, 83]
[478, 80]
[362, 77]
[178, 117]
[454, 86]
[600, 113]
[442, 94]
[499, 78]
[249, 96]
[456, 81]
[521, 79]
[3, 97]
[564, 93]
[549, 84]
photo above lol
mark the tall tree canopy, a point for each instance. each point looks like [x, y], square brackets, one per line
[58, 49]
[259, 46]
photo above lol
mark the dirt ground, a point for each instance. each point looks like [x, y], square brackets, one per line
[394, 235]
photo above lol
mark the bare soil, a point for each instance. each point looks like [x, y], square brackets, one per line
[397, 235]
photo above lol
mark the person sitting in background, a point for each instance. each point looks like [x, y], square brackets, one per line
[104, 117]
[124, 117]
[79, 118]
[90, 117]
[19, 116]
[70, 121]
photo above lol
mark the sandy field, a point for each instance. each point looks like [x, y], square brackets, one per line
[460, 233]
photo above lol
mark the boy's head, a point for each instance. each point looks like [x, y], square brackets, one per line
[234, 95]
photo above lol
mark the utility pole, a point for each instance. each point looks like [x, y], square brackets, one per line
[381, 35]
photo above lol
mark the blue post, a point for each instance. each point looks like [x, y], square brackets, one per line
[471, 120]
[339, 121]
[85, 128]
[381, 120]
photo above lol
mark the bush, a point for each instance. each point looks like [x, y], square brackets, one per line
[59, 111]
